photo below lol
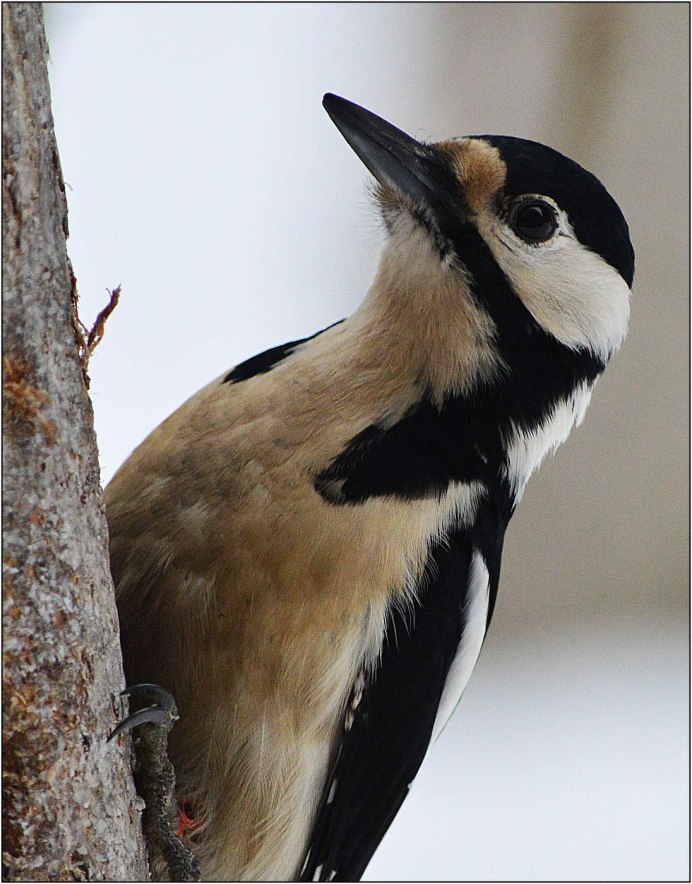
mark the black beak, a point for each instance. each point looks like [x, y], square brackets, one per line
[393, 157]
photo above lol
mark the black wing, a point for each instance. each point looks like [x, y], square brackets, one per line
[264, 362]
[392, 725]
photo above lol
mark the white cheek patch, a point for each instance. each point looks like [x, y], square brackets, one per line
[526, 450]
[569, 290]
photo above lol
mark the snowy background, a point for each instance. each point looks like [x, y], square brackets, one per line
[204, 176]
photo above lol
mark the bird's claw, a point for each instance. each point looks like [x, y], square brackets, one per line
[155, 780]
[164, 708]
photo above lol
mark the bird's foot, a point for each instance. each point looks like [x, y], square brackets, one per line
[189, 821]
[155, 779]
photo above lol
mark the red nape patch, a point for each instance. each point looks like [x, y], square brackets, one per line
[188, 824]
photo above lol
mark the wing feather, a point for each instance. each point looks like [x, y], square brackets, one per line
[387, 733]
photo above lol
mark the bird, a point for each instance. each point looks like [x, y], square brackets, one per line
[307, 553]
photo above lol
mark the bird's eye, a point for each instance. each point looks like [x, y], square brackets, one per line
[534, 220]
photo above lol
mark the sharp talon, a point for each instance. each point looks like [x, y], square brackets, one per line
[163, 697]
[155, 780]
[150, 715]
[163, 709]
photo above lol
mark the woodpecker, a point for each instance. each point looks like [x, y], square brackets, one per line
[307, 552]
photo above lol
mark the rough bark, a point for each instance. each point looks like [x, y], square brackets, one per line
[69, 806]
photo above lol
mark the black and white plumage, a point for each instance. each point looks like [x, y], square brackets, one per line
[307, 553]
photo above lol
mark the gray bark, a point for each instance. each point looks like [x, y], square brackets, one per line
[70, 810]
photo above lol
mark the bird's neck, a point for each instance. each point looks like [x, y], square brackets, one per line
[421, 314]
[473, 401]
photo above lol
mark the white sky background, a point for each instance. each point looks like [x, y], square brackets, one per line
[204, 176]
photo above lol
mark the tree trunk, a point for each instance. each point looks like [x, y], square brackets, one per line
[70, 809]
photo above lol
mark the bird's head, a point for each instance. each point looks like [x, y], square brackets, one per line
[535, 240]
